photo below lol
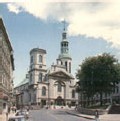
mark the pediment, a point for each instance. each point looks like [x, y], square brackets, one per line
[61, 74]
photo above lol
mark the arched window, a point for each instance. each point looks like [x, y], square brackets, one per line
[40, 77]
[30, 77]
[73, 93]
[40, 58]
[69, 67]
[59, 87]
[66, 65]
[43, 91]
[31, 60]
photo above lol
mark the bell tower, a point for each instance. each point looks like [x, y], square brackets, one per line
[64, 57]
[37, 65]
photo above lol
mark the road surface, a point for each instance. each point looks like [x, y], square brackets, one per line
[54, 115]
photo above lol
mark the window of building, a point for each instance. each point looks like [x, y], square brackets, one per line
[31, 60]
[40, 58]
[30, 77]
[46, 77]
[59, 87]
[69, 67]
[40, 77]
[73, 93]
[43, 91]
[66, 65]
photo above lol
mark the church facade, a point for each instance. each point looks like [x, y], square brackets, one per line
[53, 86]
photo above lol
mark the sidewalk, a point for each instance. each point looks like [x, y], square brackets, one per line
[105, 117]
[74, 112]
[3, 116]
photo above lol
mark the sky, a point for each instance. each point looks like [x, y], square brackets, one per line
[93, 27]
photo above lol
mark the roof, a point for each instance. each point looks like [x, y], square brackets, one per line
[25, 81]
[2, 26]
[65, 55]
[38, 50]
[61, 71]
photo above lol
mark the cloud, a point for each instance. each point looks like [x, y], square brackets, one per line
[93, 19]
[13, 8]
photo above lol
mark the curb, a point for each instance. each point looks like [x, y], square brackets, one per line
[80, 116]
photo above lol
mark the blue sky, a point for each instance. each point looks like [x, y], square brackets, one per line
[89, 31]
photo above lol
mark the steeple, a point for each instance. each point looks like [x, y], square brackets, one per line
[64, 56]
[64, 34]
[64, 43]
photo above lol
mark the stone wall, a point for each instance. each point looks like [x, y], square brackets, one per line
[90, 111]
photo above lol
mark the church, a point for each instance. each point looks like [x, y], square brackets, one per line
[53, 86]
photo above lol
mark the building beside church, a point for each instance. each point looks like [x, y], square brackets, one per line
[53, 86]
[6, 70]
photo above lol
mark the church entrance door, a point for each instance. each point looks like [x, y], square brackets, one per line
[43, 102]
[59, 101]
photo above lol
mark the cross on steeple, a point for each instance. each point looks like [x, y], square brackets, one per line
[64, 23]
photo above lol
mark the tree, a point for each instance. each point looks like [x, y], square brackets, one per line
[99, 75]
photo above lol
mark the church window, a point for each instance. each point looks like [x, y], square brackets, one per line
[66, 65]
[40, 77]
[73, 93]
[43, 91]
[31, 60]
[40, 58]
[67, 44]
[46, 77]
[62, 44]
[69, 67]
[59, 87]
[30, 77]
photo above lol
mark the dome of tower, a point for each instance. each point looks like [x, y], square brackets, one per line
[38, 50]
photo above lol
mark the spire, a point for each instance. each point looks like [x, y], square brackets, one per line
[64, 58]
[64, 34]
[64, 22]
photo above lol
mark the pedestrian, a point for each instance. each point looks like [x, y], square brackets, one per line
[76, 107]
[8, 109]
[96, 115]
[6, 116]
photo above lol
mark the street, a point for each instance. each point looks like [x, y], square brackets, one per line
[53, 115]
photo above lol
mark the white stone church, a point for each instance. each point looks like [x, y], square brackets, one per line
[53, 86]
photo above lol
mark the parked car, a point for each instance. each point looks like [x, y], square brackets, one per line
[20, 118]
[17, 118]
[22, 112]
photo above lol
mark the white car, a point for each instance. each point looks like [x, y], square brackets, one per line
[17, 118]
[20, 118]
[22, 112]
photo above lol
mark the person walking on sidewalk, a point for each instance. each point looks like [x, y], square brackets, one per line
[96, 115]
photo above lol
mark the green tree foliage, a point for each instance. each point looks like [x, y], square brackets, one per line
[98, 75]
